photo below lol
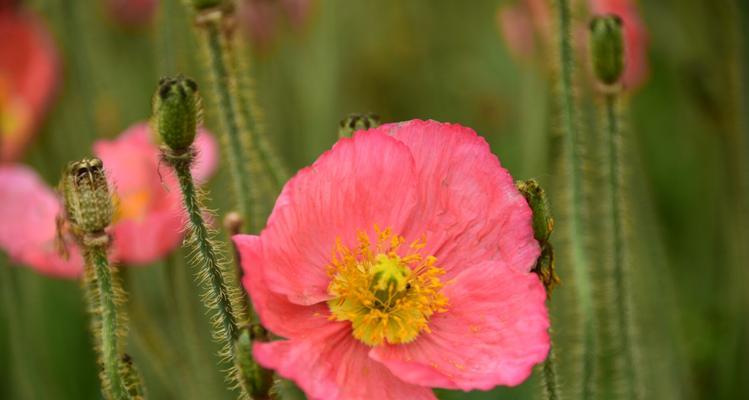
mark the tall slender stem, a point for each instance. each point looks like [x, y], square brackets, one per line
[107, 319]
[621, 286]
[573, 161]
[228, 110]
[550, 384]
[211, 270]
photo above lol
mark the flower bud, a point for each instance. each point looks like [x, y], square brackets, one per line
[543, 225]
[88, 203]
[176, 112]
[607, 48]
[355, 122]
[255, 379]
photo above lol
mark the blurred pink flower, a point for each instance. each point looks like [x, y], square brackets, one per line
[399, 261]
[636, 69]
[132, 12]
[527, 25]
[260, 18]
[522, 23]
[28, 208]
[28, 75]
[148, 223]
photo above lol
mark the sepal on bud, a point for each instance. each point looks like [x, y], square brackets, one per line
[86, 196]
[543, 225]
[177, 111]
[607, 48]
[355, 122]
[254, 378]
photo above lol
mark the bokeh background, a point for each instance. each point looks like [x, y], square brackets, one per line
[686, 129]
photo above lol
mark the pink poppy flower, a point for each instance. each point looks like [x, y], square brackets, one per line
[28, 208]
[148, 223]
[399, 261]
[28, 76]
[521, 22]
[635, 38]
[260, 18]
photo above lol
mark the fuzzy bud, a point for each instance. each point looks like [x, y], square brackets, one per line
[257, 380]
[607, 48]
[355, 122]
[176, 112]
[88, 202]
[543, 225]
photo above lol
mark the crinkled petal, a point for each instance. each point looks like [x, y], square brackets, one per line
[469, 207]
[331, 365]
[493, 333]
[28, 208]
[359, 183]
[276, 312]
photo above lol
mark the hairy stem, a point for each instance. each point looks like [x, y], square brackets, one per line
[106, 316]
[550, 386]
[621, 294]
[573, 161]
[220, 296]
[207, 259]
[228, 109]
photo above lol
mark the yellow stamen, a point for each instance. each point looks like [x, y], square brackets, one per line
[386, 297]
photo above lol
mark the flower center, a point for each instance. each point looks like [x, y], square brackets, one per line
[386, 296]
[133, 206]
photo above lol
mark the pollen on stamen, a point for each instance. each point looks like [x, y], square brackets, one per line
[386, 297]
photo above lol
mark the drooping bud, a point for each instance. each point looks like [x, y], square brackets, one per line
[177, 109]
[255, 379]
[355, 122]
[607, 48]
[87, 200]
[543, 225]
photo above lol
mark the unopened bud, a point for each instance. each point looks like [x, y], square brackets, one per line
[355, 122]
[607, 48]
[176, 112]
[255, 379]
[88, 202]
[543, 225]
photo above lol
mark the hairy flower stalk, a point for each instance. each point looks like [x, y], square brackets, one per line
[543, 225]
[607, 57]
[211, 23]
[272, 168]
[88, 212]
[176, 115]
[575, 202]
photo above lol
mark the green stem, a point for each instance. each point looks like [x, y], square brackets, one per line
[96, 258]
[573, 160]
[218, 296]
[621, 295]
[550, 385]
[211, 270]
[253, 116]
[228, 109]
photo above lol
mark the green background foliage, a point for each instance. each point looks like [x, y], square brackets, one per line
[686, 131]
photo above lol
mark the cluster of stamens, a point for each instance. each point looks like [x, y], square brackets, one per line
[387, 291]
